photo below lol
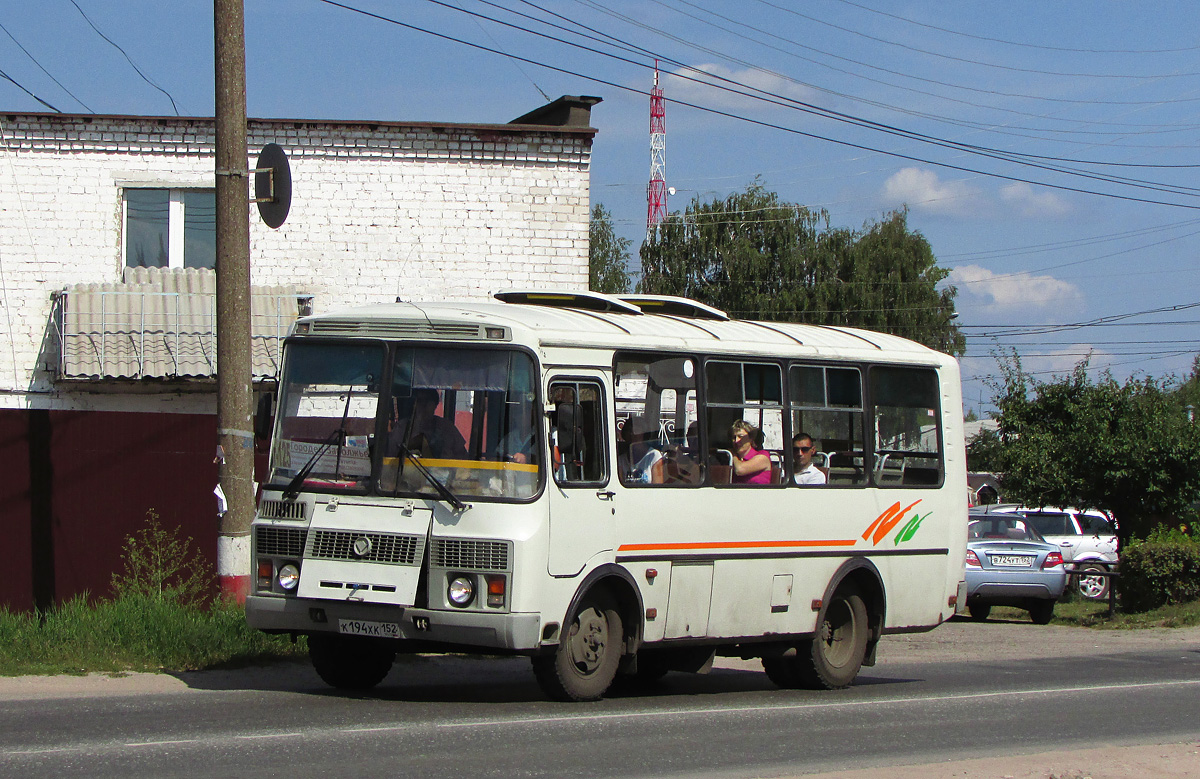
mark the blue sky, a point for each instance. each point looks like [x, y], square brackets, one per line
[966, 113]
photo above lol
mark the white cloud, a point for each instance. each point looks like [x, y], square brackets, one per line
[1035, 204]
[983, 291]
[682, 85]
[923, 191]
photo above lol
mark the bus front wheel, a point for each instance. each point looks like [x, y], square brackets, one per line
[349, 662]
[585, 662]
[832, 658]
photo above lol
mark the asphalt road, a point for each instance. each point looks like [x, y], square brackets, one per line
[473, 717]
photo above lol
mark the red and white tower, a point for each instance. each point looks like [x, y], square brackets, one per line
[656, 190]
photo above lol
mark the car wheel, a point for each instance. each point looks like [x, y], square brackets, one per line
[978, 612]
[1092, 587]
[1041, 611]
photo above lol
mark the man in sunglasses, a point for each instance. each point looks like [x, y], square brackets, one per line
[803, 470]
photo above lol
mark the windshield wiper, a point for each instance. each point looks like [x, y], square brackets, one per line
[339, 435]
[443, 491]
[293, 488]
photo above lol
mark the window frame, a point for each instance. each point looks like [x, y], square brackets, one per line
[176, 224]
[864, 411]
[602, 430]
[873, 409]
[704, 404]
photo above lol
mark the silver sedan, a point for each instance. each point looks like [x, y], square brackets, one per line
[1009, 564]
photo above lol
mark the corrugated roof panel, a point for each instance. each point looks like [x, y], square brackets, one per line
[162, 324]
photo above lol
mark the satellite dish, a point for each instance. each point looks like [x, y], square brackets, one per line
[273, 185]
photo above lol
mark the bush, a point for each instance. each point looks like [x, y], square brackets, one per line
[161, 618]
[1162, 570]
[162, 566]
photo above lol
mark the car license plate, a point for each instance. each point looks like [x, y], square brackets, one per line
[357, 627]
[1011, 561]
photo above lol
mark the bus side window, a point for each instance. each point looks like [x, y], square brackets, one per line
[576, 413]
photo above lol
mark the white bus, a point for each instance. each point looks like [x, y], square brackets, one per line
[552, 475]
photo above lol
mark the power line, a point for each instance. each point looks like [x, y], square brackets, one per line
[48, 73]
[126, 55]
[971, 61]
[1016, 43]
[809, 108]
[10, 79]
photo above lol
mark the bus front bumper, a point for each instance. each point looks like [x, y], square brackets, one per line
[453, 628]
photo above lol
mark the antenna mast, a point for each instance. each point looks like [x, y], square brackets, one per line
[656, 190]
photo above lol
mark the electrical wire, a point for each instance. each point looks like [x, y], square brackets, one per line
[48, 73]
[13, 81]
[126, 55]
[798, 105]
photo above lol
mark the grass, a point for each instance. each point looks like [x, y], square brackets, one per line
[1094, 614]
[135, 633]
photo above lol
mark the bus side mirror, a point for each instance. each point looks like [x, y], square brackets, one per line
[264, 416]
[566, 426]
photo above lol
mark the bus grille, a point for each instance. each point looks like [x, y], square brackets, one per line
[280, 509]
[470, 555]
[279, 541]
[385, 548]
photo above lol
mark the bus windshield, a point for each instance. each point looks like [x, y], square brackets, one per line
[466, 416]
[328, 404]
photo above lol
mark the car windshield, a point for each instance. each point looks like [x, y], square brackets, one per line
[997, 528]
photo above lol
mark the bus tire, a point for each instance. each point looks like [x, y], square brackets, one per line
[348, 662]
[831, 660]
[586, 659]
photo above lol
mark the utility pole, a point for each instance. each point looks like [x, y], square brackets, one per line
[234, 393]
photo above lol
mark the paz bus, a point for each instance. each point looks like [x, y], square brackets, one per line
[551, 474]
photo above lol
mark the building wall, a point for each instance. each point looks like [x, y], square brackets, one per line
[379, 211]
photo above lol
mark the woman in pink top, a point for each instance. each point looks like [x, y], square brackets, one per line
[750, 465]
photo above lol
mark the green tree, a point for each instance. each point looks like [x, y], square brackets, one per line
[608, 255]
[1188, 393]
[1125, 448]
[757, 257]
[984, 452]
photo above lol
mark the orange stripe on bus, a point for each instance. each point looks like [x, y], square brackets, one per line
[731, 545]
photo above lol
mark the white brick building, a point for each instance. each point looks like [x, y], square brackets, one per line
[380, 211]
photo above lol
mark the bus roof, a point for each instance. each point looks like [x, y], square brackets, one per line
[592, 320]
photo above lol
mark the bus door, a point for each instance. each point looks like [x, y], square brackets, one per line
[581, 503]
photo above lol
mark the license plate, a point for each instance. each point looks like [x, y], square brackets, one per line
[357, 627]
[1012, 561]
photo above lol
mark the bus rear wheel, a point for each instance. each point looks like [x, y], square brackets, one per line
[350, 663]
[586, 660]
[832, 658]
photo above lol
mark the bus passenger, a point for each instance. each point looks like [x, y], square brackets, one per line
[803, 470]
[750, 465]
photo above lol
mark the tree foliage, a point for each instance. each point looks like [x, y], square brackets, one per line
[757, 257]
[608, 255]
[1125, 448]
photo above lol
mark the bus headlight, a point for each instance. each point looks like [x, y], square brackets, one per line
[461, 591]
[289, 576]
